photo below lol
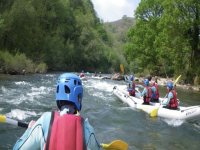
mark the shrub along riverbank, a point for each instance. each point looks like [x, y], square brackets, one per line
[19, 64]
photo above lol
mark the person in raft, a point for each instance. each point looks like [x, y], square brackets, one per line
[155, 92]
[147, 92]
[82, 74]
[63, 129]
[171, 102]
[131, 88]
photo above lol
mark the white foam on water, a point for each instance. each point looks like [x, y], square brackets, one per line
[20, 114]
[197, 126]
[50, 75]
[97, 94]
[3, 89]
[22, 83]
[102, 89]
[101, 85]
[16, 96]
[17, 100]
[38, 92]
[123, 108]
[102, 96]
[7, 92]
[174, 122]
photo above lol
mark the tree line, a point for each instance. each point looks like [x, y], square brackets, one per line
[66, 35]
[165, 40]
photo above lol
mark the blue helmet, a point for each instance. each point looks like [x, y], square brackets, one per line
[131, 77]
[146, 82]
[69, 88]
[170, 85]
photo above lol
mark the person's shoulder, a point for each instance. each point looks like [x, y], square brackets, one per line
[170, 94]
[46, 115]
[88, 127]
[45, 119]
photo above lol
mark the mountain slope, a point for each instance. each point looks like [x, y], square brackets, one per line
[117, 30]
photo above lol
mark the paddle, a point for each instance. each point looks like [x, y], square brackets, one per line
[177, 80]
[5, 119]
[114, 145]
[154, 112]
[122, 68]
[127, 96]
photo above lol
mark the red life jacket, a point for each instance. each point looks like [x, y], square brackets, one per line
[65, 132]
[173, 104]
[157, 91]
[147, 98]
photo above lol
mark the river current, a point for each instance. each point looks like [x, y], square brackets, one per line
[26, 97]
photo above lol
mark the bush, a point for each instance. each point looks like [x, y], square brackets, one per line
[41, 68]
[197, 80]
[19, 64]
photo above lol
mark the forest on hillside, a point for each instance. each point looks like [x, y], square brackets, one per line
[165, 40]
[117, 32]
[62, 35]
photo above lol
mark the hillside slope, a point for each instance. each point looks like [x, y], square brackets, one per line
[117, 30]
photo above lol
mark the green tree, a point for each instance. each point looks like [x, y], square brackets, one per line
[54, 32]
[165, 39]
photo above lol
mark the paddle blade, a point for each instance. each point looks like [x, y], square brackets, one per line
[177, 80]
[122, 68]
[2, 118]
[115, 145]
[154, 113]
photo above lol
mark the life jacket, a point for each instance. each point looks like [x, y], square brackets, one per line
[147, 97]
[173, 103]
[156, 96]
[65, 132]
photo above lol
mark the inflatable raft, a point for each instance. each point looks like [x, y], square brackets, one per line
[182, 113]
[123, 95]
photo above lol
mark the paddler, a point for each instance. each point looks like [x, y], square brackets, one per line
[155, 92]
[131, 88]
[82, 74]
[147, 92]
[62, 129]
[171, 102]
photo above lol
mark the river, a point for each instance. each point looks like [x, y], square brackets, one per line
[27, 97]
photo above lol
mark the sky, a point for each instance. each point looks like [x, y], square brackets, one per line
[112, 10]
